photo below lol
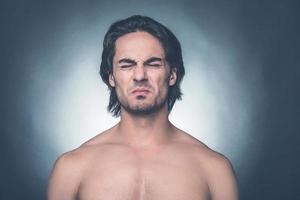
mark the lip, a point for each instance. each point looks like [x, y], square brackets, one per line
[141, 90]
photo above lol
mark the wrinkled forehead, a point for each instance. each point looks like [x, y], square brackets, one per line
[138, 46]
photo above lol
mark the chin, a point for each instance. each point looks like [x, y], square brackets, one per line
[142, 111]
[141, 107]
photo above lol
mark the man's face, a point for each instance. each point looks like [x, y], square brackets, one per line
[141, 75]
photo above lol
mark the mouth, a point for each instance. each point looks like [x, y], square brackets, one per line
[140, 91]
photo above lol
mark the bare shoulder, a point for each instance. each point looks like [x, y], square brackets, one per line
[64, 179]
[204, 154]
[70, 167]
[220, 176]
[71, 160]
[66, 175]
[81, 155]
[215, 167]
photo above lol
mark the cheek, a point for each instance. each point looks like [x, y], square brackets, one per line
[162, 86]
[121, 85]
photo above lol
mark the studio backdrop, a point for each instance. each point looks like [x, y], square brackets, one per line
[240, 92]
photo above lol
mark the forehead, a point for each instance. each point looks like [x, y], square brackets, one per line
[138, 45]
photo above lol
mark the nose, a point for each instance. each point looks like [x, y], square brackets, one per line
[140, 73]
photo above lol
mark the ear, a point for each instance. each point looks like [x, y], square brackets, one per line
[111, 80]
[173, 77]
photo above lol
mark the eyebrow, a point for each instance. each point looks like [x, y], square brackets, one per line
[153, 59]
[149, 60]
[127, 60]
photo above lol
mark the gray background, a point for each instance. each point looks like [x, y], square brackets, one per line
[241, 89]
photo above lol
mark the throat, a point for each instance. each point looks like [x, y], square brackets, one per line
[142, 133]
[142, 189]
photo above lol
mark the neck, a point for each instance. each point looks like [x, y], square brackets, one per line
[145, 130]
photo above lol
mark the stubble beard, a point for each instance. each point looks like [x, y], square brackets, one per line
[144, 110]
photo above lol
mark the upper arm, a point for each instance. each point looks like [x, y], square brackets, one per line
[64, 179]
[222, 181]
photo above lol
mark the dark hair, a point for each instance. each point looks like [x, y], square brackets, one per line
[168, 41]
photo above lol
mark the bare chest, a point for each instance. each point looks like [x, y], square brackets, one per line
[128, 177]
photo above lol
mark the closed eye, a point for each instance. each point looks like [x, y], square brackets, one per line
[126, 63]
[126, 66]
[154, 64]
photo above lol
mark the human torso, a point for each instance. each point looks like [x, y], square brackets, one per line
[118, 172]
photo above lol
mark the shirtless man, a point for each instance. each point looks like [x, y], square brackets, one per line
[144, 156]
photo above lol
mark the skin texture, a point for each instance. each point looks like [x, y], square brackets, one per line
[144, 156]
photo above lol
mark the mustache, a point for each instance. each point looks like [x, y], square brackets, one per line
[141, 84]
